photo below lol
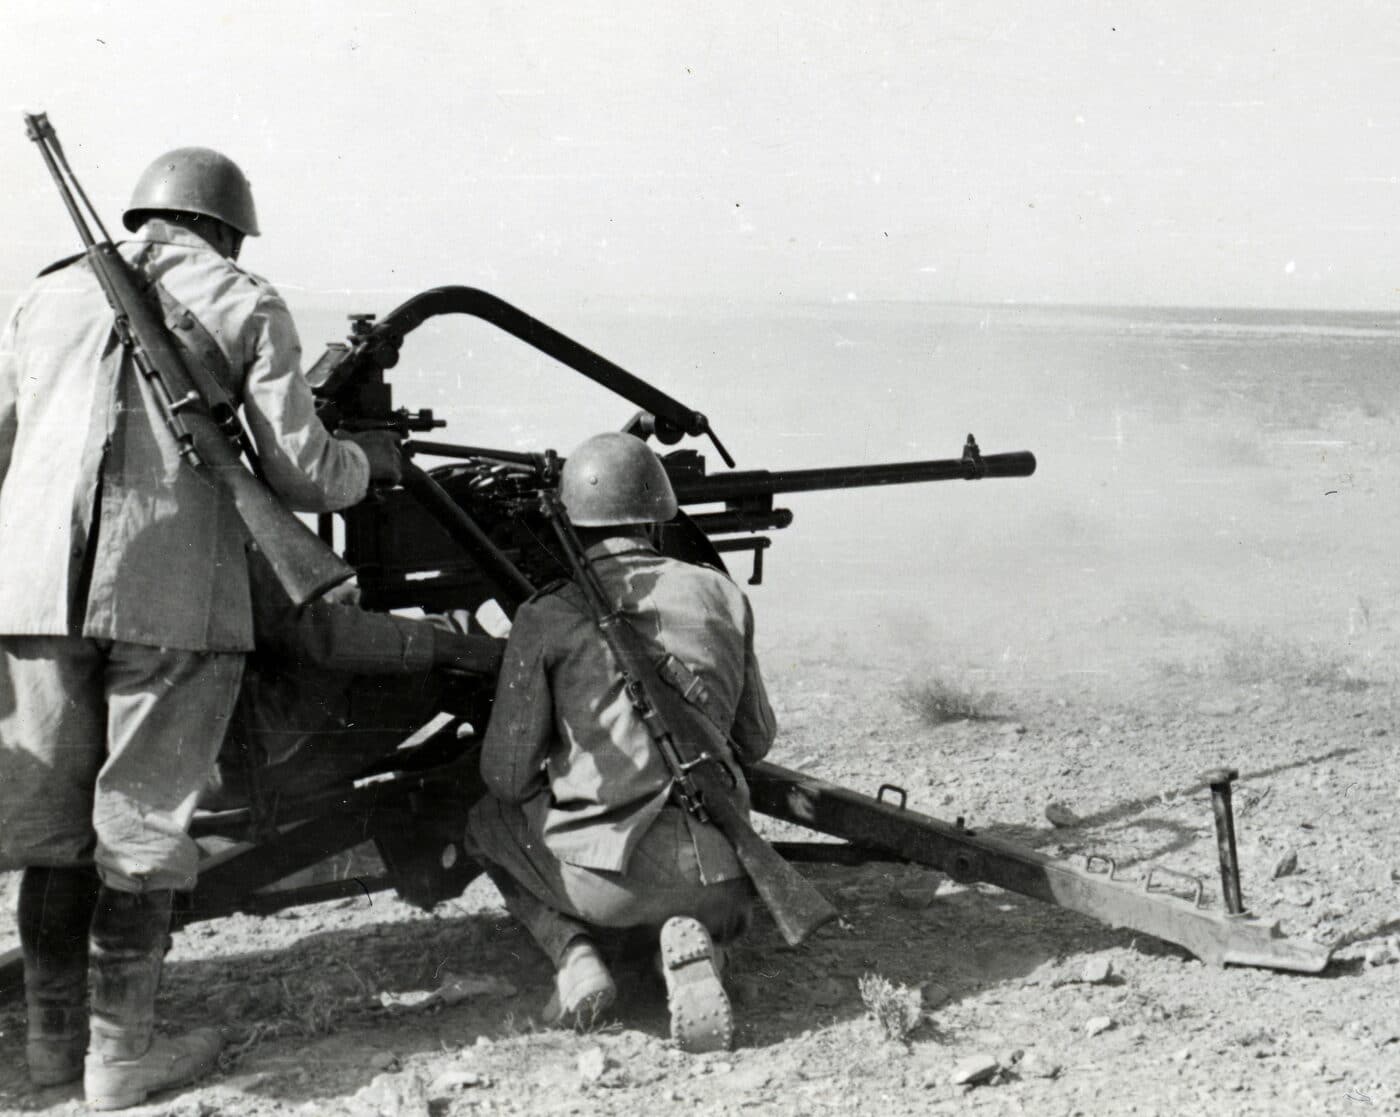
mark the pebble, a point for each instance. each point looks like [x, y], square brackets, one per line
[1097, 971]
[1097, 1025]
[933, 994]
[1286, 865]
[1057, 814]
[451, 1080]
[456, 988]
[915, 896]
[974, 1069]
[383, 1060]
[1035, 1065]
[592, 1064]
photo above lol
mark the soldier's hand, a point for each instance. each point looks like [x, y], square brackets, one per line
[382, 450]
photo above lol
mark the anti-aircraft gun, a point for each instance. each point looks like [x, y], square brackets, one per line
[468, 532]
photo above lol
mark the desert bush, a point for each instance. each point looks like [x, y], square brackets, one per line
[1255, 658]
[936, 701]
[897, 1009]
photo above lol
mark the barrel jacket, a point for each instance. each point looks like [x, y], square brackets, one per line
[104, 531]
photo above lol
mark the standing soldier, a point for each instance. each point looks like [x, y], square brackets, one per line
[125, 613]
[581, 830]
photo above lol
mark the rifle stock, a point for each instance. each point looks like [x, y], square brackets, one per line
[302, 562]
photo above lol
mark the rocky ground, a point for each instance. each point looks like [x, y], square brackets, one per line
[1006, 1005]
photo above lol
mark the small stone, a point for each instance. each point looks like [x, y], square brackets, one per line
[456, 988]
[1060, 815]
[829, 992]
[1298, 897]
[1097, 1025]
[1376, 731]
[1286, 865]
[1035, 1065]
[1182, 1055]
[933, 994]
[1097, 971]
[915, 896]
[1016, 729]
[1379, 955]
[484, 1041]
[974, 1069]
[453, 1080]
[592, 1064]
[383, 1060]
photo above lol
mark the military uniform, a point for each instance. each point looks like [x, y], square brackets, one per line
[331, 688]
[580, 830]
[124, 607]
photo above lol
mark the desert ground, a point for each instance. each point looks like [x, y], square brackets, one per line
[1199, 574]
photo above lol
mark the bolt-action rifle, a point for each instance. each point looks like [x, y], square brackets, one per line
[205, 431]
[690, 743]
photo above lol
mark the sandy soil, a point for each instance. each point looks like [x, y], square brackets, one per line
[307, 996]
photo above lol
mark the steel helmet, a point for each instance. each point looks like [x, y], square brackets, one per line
[194, 180]
[614, 479]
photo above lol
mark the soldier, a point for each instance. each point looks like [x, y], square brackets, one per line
[125, 614]
[580, 831]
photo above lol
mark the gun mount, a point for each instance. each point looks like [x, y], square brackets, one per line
[469, 532]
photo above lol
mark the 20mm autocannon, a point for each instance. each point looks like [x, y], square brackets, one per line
[466, 533]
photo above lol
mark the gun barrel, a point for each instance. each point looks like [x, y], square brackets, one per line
[761, 482]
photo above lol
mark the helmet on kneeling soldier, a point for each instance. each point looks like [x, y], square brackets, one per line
[615, 480]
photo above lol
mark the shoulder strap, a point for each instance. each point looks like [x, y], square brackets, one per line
[208, 367]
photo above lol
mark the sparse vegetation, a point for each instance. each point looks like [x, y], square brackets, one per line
[937, 701]
[897, 1009]
[1255, 658]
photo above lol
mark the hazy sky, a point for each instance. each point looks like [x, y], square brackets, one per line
[1186, 152]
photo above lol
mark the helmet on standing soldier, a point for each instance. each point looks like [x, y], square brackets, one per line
[614, 479]
[194, 180]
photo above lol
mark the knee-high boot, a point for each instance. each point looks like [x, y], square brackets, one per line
[125, 1061]
[55, 911]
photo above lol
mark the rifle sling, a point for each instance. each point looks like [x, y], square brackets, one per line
[205, 362]
[685, 682]
[688, 686]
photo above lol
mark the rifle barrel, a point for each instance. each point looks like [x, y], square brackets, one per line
[762, 482]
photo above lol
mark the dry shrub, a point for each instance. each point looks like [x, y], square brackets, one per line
[937, 701]
[897, 1008]
[1259, 658]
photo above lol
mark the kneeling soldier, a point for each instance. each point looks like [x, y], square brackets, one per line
[581, 831]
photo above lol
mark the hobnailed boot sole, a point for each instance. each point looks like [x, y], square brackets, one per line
[112, 1083]
[701, 1017]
